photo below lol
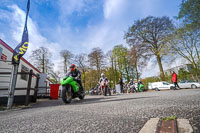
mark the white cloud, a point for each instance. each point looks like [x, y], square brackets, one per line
[2, 36]
[16, 20]
[67, 7]
[36, 40]
[152, 68]
[113, 8]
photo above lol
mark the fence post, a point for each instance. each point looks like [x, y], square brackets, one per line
[28, 87]
[36, 88]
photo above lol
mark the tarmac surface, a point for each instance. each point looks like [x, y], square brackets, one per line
[118, 113]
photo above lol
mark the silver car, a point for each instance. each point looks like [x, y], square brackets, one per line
[189, 84]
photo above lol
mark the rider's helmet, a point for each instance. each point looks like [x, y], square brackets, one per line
[72, 67]
[102, 75]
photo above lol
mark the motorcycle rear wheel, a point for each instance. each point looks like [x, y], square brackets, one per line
[82, 96]
[105, 91]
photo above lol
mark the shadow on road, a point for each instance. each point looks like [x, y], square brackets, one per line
[51, 103]
[103, 100]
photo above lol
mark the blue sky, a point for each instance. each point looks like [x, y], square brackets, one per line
[77, 25]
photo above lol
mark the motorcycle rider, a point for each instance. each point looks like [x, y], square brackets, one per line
[103, 78]
[132, 85]
[131, 82]
[76, 75]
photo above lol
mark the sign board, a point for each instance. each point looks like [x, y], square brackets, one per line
[3, 57]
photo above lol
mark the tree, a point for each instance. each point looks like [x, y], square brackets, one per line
[81, 61]
[186, 43]
[189, 13]
[91, 75]
[41, 58]
[120, 55]
[151, 33]
[66, 55]
[54, 76]
[138, 58]
[96, 59]
[110, 71]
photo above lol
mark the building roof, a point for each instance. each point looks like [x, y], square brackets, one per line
[177, 67]
[11, 50]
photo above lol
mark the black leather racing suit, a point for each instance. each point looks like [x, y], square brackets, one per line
[76, 74]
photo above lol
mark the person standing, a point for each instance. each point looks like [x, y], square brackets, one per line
[174, 80]
[121, 84]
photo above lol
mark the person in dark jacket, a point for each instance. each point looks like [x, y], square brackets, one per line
[76, 74]
[174, 80]
[121, 84]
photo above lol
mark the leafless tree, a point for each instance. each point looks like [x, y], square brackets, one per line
[186, 43]
[96, 59]
[66, 55]
[41, 58]
[138, 58]
[152, 33]
[81, 61]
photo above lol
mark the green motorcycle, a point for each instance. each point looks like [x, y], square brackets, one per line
[70, 90]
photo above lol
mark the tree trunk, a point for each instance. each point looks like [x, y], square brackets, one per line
[162, 75]
[113, 76]
[115, 71]
[136, 70]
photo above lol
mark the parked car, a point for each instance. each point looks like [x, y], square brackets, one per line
[160, 85]
[189, 84]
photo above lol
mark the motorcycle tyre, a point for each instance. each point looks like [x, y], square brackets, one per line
[82, 96]
[64, 96]
[105, 91]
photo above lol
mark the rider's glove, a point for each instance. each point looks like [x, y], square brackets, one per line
[75, 78]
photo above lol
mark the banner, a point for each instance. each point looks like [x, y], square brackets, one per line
[22, 47]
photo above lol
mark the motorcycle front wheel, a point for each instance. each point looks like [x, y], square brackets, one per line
[66, 94]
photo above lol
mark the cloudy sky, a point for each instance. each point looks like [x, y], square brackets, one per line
[79, 25]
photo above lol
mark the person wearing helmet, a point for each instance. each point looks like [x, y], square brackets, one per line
[76, 74]
[102, 78]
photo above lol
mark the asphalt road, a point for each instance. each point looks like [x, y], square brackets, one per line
[118, 113]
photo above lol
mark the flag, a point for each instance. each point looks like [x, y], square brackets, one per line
[22, 47]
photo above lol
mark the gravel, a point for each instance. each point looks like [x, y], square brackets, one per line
[118, 113]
